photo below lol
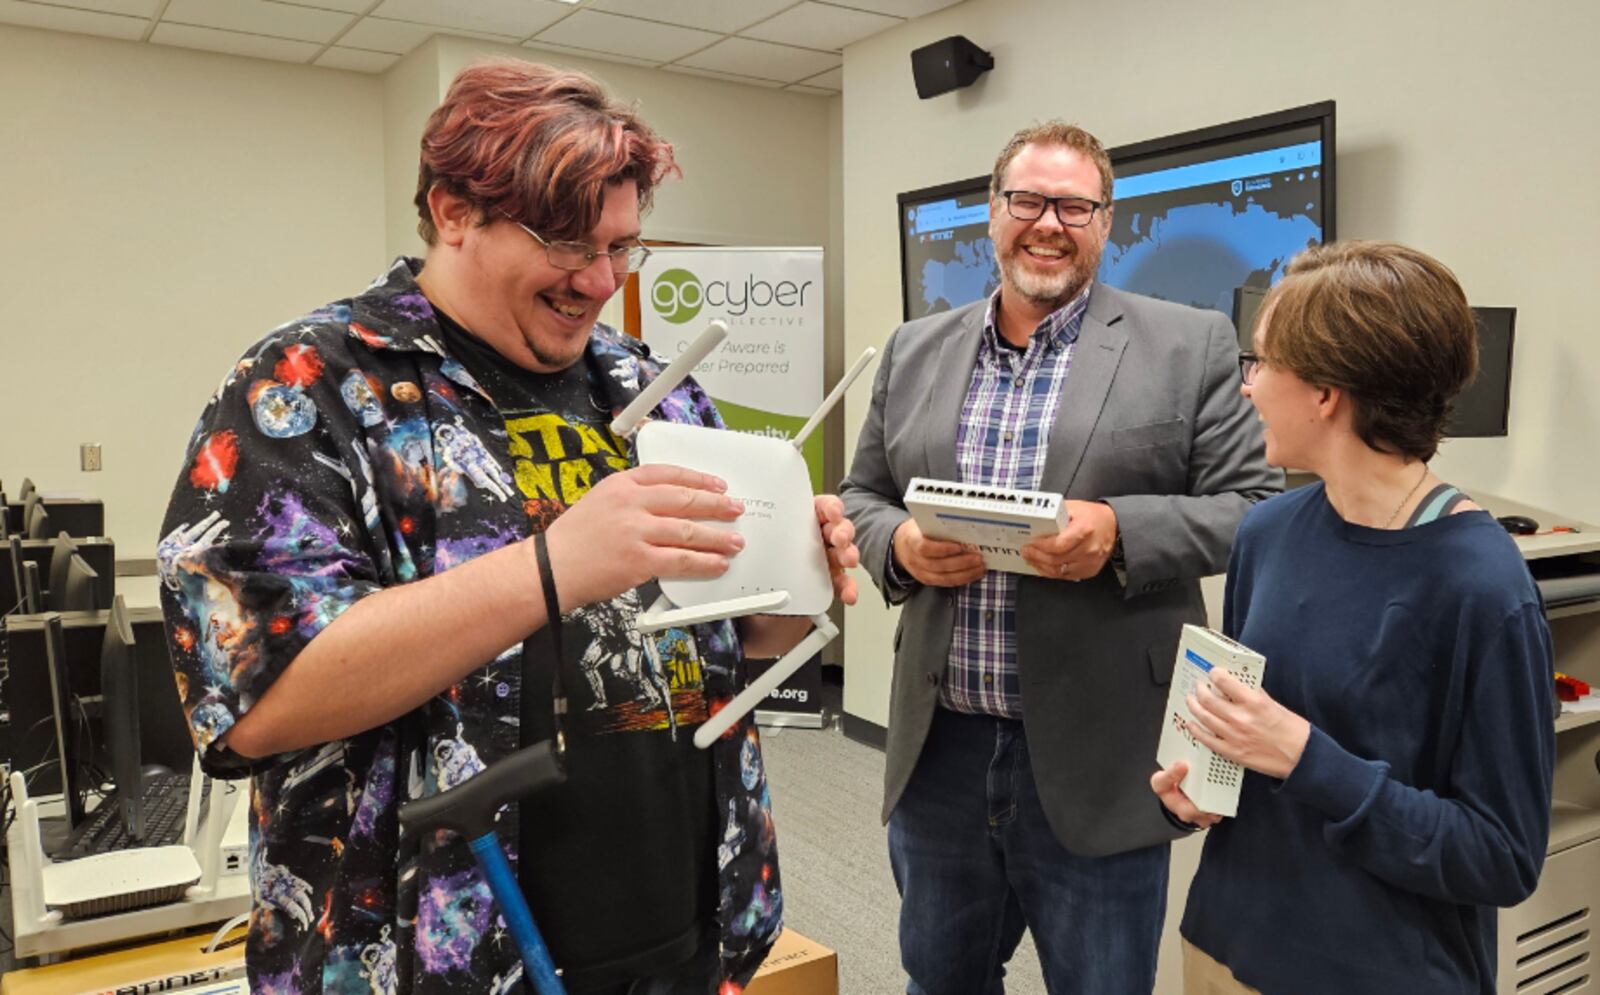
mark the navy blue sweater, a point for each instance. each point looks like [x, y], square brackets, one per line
[1422, 660]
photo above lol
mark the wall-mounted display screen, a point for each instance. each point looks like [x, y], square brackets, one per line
[1196, 215]
[946, 256]
[1201, 213]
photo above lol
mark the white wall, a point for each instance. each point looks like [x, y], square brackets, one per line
[165, 208]
[169, 207]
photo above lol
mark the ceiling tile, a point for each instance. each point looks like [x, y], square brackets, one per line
[356, 60]
[724, 16]
[132, 8]
[817, 25]
[517, 18]
[348, 6]
[727, 77]
[814, 90]
[33, 15]
[747, 57]
[584, 53]
[903, 8]
[833, 79]
[257, 17]
[383, 35]
[626, 36]
[233, 43]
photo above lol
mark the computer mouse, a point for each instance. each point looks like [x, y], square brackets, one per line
[1518, 525]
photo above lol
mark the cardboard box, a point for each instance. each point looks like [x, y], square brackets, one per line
[796, 965]
[143, 970]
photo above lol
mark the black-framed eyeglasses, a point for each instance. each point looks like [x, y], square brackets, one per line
[1248, 363]
[577, 256]
[1074, 212]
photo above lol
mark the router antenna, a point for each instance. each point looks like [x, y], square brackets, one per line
[672, 376]
[833, 396]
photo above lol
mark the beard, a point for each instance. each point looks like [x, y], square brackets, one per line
[1049, 289]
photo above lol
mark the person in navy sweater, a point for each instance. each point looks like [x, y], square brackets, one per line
[1401, 747]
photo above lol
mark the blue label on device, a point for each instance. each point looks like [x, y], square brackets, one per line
[1197, 660]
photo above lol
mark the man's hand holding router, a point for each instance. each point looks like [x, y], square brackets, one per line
[1082, 547]
[1078, 551]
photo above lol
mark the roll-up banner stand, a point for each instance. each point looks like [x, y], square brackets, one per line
[766, 377]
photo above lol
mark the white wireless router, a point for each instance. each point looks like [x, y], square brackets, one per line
[783, 569]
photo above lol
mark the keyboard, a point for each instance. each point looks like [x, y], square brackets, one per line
[166, 803]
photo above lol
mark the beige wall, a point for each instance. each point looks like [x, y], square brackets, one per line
[168, 207]
[165, 209]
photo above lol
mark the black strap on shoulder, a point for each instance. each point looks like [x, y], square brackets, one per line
[552, 625]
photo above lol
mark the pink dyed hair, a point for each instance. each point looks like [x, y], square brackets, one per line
[537, 143]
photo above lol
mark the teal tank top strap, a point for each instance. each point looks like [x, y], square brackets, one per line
[1436, 504]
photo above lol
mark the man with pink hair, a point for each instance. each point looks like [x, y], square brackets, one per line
[406, 463]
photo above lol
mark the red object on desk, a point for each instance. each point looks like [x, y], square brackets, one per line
[1570, 688]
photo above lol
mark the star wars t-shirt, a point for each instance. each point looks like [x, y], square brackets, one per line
[619, 862]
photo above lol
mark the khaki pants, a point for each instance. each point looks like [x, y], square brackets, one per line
[1204, 976]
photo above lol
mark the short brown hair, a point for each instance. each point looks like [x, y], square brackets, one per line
[1054, 133]
[537, 143]
[1384, 323]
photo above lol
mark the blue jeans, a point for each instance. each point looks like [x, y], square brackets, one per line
[976, 863]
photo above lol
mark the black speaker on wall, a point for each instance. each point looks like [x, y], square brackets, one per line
[948, 64]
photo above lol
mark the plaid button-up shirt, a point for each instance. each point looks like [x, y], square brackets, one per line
[1001, 442]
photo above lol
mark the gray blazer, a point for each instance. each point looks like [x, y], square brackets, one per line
[1151, 421]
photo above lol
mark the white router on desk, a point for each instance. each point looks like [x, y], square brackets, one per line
[783, 569]
[127, 893]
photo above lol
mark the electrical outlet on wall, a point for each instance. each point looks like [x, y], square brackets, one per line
[89, 456]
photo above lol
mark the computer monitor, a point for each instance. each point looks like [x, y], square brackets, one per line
[32, 590]
[119, 715]
[5, 532]
[1483, 409]
[65, 716]
[62, 550]
[19, 590]
[79, 591]
[37, 523]
[1246, 308]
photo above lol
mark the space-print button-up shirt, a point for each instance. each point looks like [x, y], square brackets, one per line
[345, 453]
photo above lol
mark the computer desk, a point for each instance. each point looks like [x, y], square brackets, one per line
[99, 553]
[75, 516]
[163, 731]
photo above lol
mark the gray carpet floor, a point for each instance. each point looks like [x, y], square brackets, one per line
[837, 887]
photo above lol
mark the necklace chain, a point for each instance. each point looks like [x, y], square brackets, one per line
[1403, 500]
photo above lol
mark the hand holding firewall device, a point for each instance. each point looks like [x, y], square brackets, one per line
[788, 565]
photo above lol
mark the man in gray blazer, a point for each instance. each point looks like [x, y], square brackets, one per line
[1026, 710]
